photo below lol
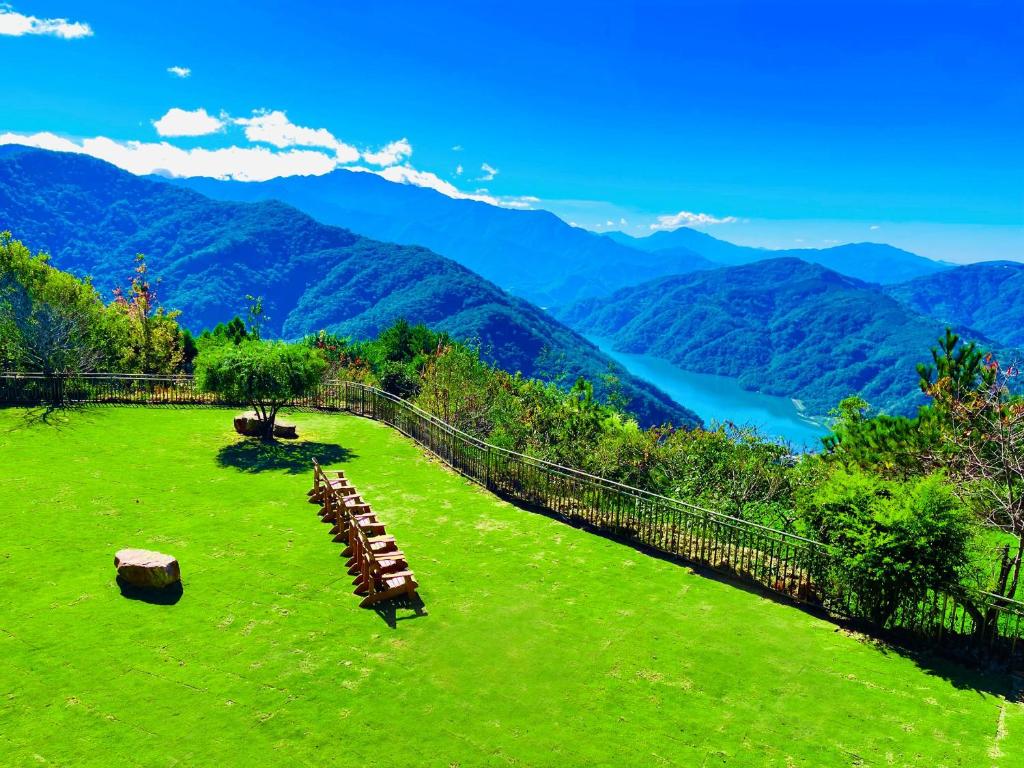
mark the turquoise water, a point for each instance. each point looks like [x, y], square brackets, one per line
[720, 399]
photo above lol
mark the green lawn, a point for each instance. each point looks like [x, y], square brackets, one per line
[542, 645]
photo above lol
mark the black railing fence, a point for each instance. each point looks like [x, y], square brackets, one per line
[781, 562]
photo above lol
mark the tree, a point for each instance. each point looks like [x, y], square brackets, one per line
[399, 379]
[233, 331]
[257, 316]
[972, 429]
[147, 337]
[49, 321]
[456, 387]
[263, 374]
[894, 541]
[981, 429]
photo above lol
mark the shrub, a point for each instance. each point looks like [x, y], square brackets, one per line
[894, 540]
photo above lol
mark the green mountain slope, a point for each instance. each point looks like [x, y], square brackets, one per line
[782, 326]
[987, 296]
[93, 218]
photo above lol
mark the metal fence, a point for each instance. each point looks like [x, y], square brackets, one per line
[781, 562]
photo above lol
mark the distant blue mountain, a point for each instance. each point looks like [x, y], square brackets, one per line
[871, 262]
[93, 218]
[529, 253]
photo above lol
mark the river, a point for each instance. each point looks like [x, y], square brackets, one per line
[720, 399]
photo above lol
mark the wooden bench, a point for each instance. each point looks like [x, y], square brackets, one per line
[322, 479]
[379, 576]
[380, 568]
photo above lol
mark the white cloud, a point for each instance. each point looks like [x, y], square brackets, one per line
[294, 151]
[182, 122]
[489, 172]
[686, 218]
[274, 127]
[242, 163]
[17, 24]
[457, 148]
[873, 227]
[406, 174]
[459, 169]
[180, 71]
[390, 154]
[523, 202]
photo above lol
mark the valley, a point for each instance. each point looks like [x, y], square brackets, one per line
[721, 400]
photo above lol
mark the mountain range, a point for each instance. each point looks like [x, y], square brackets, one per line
[810, 324]
[780, 326]
[533, 253]
[529, 253]
[208, 255]
[871, 262]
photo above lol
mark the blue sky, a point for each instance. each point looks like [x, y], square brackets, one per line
[786, 123]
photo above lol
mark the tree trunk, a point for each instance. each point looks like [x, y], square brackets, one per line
[268, 429]
[269, 419]
[981, 621]
[1011, 591]
[1004, 572]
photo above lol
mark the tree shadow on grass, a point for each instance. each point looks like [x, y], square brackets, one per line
[295, 458]
[168, 595]
[51, 416]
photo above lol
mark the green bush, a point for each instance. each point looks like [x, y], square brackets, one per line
[895, 541]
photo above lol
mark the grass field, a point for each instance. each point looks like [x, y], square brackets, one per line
[543, 645]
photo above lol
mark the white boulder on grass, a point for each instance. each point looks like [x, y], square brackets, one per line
[145, 568]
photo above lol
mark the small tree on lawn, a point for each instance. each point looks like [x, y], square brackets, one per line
[264, 374]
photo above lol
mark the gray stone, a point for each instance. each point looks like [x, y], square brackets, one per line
[284, 429]
[145, 568]
[250, 425]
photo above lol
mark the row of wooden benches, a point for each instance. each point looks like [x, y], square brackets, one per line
[379, 566]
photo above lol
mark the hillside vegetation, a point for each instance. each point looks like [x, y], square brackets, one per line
[208, 256]
[783, 327]
[988, 296]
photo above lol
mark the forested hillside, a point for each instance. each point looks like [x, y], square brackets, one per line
[988, 296]
[209, 255]
[783, 327]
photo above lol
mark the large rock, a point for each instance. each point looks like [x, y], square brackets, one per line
[250, 425]
[145, 568]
